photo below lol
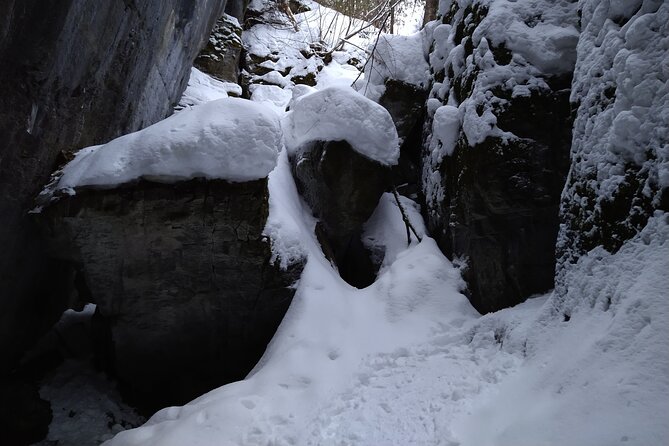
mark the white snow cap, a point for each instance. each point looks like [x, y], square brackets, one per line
[341, 113]
[231, 139]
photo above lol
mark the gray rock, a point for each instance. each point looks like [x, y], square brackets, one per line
[406, 105]
[499, 208]
[75, 74]
[182, 275]
[222, 55]
[343, 188]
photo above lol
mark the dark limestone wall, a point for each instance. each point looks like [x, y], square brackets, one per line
[182, 275]
[75, 73]
[492, 196]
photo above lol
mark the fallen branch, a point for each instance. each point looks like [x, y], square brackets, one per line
[405, 217]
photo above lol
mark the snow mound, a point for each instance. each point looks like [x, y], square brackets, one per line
[340, 113]
[231, 139]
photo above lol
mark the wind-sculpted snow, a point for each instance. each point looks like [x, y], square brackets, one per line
[231, 139]
[342, 114]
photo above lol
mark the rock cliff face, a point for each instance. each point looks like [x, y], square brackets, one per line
[497, 142]
[182, 275]
[74, 74]
[620, 154]
[221, 57]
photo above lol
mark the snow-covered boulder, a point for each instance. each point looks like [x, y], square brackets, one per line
[341, 145]
[182, 275]
[163, 229]
[496, 150]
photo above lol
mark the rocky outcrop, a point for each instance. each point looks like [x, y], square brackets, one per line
[619, 173]
[182, 275]
[75, 74]
[343, 188]
[497, 144]
[221, 57]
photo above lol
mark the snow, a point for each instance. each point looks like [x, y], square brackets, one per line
[271, 95]
[204, 88]
[231, 139]
[381, 230]
[600, 378]
[341, 113]
[395, 57]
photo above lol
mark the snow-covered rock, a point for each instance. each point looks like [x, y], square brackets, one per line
[231, 139]
[620, 152]
[204, 88]
[221, 56]
[342, 114]
[497, 140]
[183, 278]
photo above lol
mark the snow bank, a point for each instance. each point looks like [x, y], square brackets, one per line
[340, 113]
[231, 139]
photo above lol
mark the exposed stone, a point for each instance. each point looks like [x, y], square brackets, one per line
[406, 104]
[221, 57]
[75, 74]
[182, 275]
[343, 188]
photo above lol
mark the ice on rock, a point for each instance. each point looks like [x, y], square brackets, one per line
[230, 139]
[342, 114]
